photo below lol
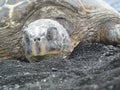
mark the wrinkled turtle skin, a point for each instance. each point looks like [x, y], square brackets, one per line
[84, 20]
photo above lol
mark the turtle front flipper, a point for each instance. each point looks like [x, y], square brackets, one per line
[109, 33]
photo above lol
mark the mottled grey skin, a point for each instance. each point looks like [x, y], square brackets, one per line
[45, 37]
[81, 20]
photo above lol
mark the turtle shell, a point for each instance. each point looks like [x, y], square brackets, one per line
[12, 11]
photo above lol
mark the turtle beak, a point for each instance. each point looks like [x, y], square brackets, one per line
[38, 47]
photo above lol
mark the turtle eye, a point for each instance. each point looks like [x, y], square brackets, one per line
[52, 33]
[49, 36]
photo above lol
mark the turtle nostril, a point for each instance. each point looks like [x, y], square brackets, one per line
[38, 39]
[34, 39]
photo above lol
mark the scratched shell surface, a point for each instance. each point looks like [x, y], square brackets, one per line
[14, 10]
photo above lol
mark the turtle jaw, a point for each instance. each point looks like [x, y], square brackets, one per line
[37, 50]
[48, 54]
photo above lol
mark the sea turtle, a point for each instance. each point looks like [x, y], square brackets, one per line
[43, 28]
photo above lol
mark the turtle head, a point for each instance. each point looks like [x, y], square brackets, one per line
[45, 39]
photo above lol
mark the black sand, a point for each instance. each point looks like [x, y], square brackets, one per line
[90, 67]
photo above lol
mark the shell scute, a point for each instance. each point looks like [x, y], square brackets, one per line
[14, 10]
